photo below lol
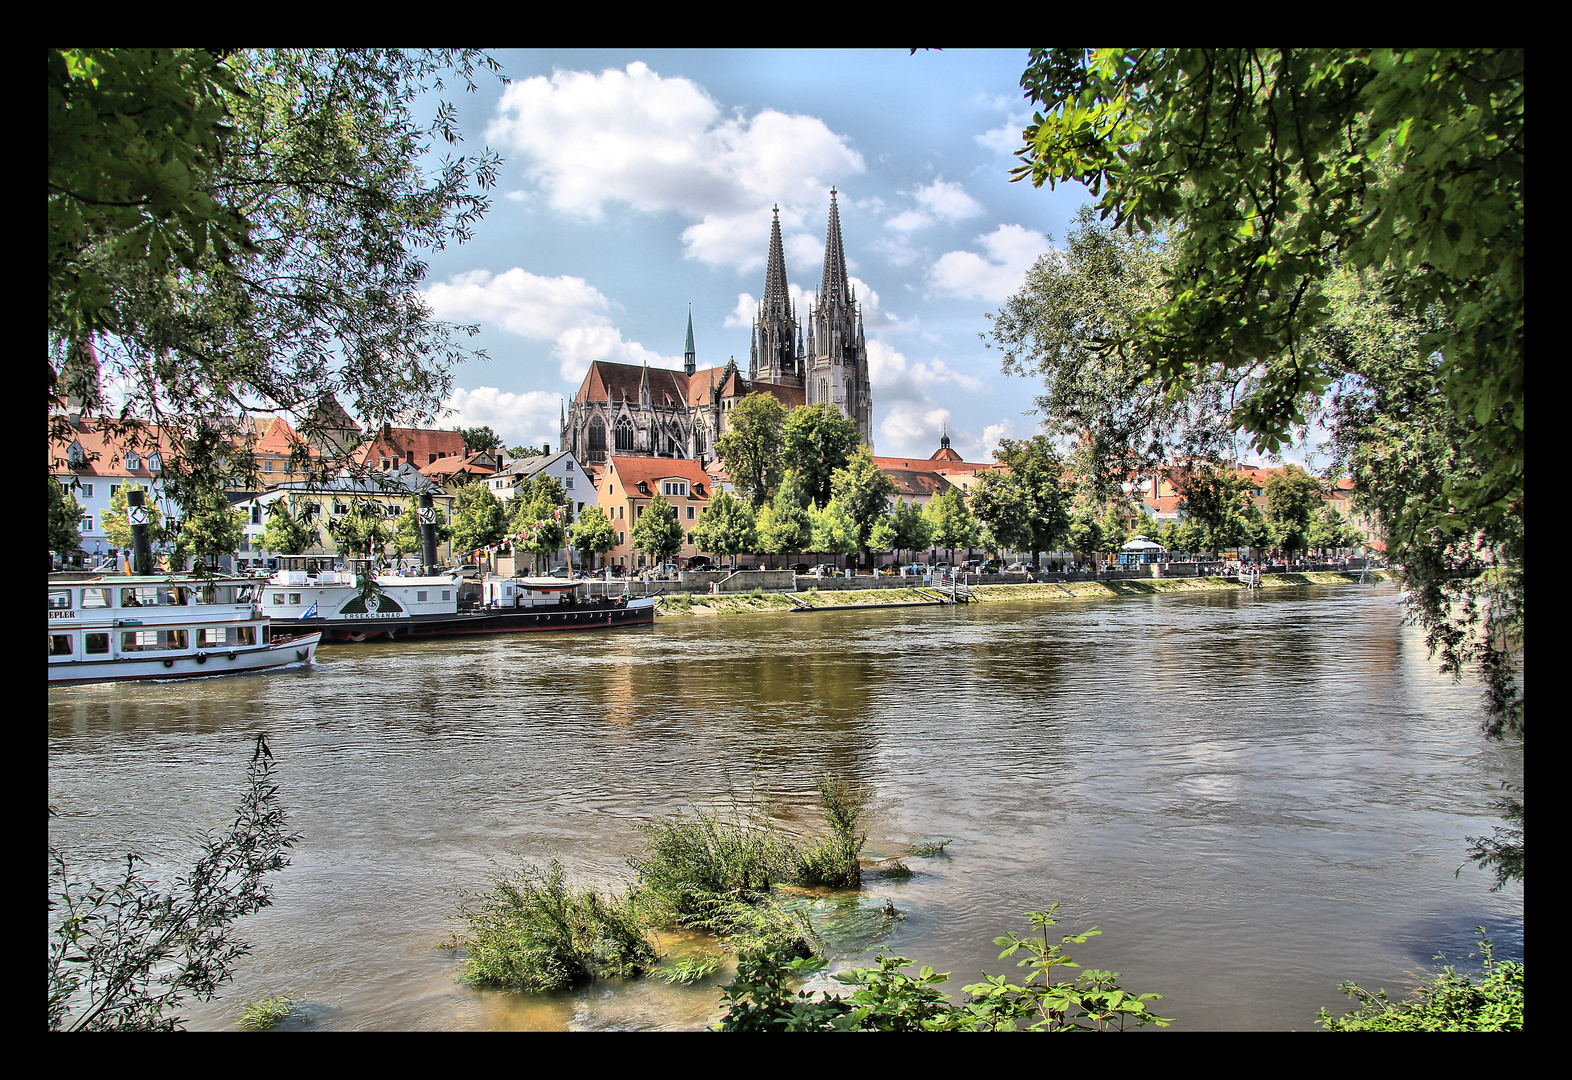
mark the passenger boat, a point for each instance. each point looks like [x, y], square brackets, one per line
[105, 627]
[336, 604]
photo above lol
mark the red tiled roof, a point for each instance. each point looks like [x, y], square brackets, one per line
[106, 455]
[917, 482]
[628, 472]
[410, 444]
[942, 467]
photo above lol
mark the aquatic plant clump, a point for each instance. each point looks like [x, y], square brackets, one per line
[832, 860]
[533, 931]
[266, 1014]
[1447, 1001]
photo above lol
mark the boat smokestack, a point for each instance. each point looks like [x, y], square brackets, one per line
[428, 532]
[141, 544]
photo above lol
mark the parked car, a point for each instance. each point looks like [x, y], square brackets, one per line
[1018, 568]
[799, 568]
[824, 570]
[700, 562]
[561, 572]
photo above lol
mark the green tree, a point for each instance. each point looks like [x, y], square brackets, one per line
[407, 538]
[1026, 508]
[247, 229]
[1086, 532]
[592, 534]
[818, 441]
[361, 532]
[1283, 165]
[478, 518]
[479, 438]
[952, 523]
[658, 533]
[833, 530]
[118, 529]
[1213, 501]
[913, 531]
[285, 532]
[751, 449]
[65, 515]
[1113, 530]
[784, 526]
[863, 492]
[123, 957]
[1293, 498]
[540, 514]
[209, 528]
[1074, 302]
[727, 528]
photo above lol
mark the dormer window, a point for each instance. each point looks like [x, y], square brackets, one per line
[155, 462]
[133, 463]
[76, 457]
[674, 487]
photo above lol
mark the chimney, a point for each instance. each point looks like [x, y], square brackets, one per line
[545, 448]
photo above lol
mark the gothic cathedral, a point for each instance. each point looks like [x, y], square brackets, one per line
[626, 410]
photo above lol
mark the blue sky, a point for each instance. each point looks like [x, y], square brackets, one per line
[635, 182]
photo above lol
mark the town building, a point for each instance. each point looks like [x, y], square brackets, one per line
[96, 464]
[319, 502]
[628, 486]
[628, 410]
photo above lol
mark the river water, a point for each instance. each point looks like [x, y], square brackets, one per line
[1255, 797]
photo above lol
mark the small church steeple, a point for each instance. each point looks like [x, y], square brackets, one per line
[688, 355]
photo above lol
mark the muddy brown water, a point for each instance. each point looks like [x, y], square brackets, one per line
[1254, 797]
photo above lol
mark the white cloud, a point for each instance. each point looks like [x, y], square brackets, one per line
[892, 376]
[565, 310]
[1011, 251]
[659, 144]
[519, 419]
[743, 314]
[912, 429]
[941, 200]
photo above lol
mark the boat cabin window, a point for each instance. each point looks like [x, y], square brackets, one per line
[420, 596]
[152, 640]
[212, 637]
[153, 596]
[447, 594]
[97, 597]
[226, 594]
[59, 598]
[278, 599]
[59, 644]
[95, 643]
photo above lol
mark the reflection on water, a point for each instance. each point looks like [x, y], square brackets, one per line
[1256, 797]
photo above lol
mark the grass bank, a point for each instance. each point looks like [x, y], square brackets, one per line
[745, 603]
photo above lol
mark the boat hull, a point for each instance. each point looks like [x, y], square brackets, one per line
[282, 651]
[477, 624]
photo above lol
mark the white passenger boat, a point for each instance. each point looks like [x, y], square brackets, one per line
[105, 627]
[303, 597]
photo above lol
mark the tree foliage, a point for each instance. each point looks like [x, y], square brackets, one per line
[727, 528]
[1284, 165]
[1215, 502]
[210, 527]
[245, 230]
[361, 532]
[751, 449]
[65, 517]
[658, 533]
[592, 533]
[1447, 1001]
[953, 525]
[863, 493]
[286, 532]
[118, 530]
[479, 438]
[1026, 508]
[478, 518]
[1063, 326]
[1293, 499]
[817, 441]
[124, 956]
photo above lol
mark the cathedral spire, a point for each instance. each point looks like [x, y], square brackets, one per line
[777, 298]
[688, 354]
[835, 288]
[773, 357]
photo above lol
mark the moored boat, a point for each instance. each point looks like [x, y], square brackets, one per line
[339, 605]
[107, 627]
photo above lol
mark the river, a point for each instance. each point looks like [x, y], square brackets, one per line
[1254, 796]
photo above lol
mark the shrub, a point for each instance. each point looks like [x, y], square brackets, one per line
[832, 860]
[533, 931]
[266, 1014]
[1446, 1001]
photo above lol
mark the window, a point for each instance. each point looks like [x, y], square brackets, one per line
[430, 458]
[674, 487]
[112, 489]
[619, 513]
[256, 513]
[340, 508]
[420, 596]
[384, 464]
[597, 440]
[638, 513]
[278, 599]
[96, 597]
[155, 462]
[76, 457]
[87, 525]
[59, 598]
[95, 643]
[624, 434]
[59, 644]
[568, 483]
[152, 596]
[87, 491]
[152, 640]
[692, 513]
[294, 598]
[620, 540]
[133, 463]
[447, 594]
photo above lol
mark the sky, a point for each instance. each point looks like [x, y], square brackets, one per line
[638, 182]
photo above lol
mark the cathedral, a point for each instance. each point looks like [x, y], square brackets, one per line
[625, 410]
